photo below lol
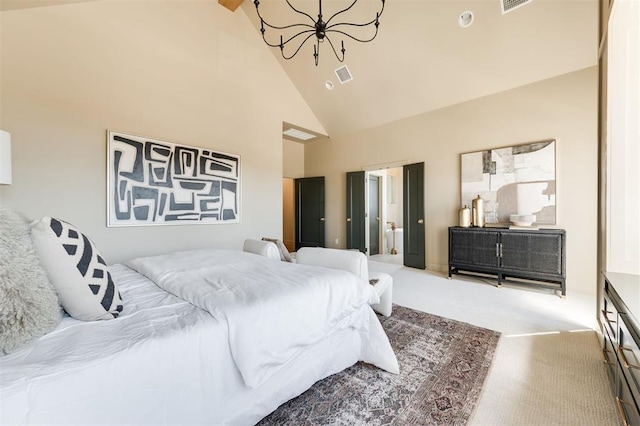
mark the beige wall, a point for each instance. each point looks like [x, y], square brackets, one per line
[292, 159]
[188, 72]
[292, 167]
[562, 108]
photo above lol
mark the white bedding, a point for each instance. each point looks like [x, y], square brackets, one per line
[272, 309]
[164, 361]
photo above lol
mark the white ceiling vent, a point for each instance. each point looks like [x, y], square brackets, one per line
[343, 74]
[509, 5]
[298, 134]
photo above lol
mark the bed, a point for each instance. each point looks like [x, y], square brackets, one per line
[205, 337]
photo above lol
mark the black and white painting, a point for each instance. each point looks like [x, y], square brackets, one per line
[151, 182]
[516, 180]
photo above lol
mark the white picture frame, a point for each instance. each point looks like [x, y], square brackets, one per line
[514, 180]
[153, 182]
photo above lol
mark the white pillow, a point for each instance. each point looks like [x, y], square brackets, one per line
[263, 248]
[77, 270]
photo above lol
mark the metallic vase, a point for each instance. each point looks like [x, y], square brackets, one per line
[477, 212]
[464, 217]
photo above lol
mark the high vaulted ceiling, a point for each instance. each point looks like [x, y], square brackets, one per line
[421, 59]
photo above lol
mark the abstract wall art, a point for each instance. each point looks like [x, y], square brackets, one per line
[516, 180]
[151, 182]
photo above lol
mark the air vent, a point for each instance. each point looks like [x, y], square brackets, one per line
[298, 134]
[343, 74]
[509, 5]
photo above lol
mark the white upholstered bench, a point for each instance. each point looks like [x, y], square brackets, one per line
[354, 262]
[384, 289]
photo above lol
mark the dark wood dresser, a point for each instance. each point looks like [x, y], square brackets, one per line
[533, 257]
[621, 341]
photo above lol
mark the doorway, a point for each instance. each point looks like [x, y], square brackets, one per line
[385, 215]
[309, 212]
[288, 214]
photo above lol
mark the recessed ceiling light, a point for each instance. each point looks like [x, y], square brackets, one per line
[328, 84]
[298, 134]
[465, 19]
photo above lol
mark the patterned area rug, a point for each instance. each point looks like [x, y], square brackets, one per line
[443, 364]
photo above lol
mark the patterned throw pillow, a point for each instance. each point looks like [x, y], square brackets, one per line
[77, 270]
[284, 253]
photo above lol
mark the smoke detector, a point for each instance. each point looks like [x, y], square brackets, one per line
[465, 19]
[509, 5]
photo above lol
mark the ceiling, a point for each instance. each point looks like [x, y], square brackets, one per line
[421, 59]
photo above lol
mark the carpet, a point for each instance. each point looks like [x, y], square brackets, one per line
[443, 364]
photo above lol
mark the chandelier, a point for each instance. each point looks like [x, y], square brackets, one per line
[319, 28]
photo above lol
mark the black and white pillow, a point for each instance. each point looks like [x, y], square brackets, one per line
[77, 270]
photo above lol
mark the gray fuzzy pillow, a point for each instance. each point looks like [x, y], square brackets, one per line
[29, 305]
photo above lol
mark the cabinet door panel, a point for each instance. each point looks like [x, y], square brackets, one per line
[473, 247]
[629, 355]
[532, 252]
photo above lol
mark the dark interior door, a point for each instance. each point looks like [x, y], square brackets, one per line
[374, 215]
[355, 212]
[413, 215]
[309, 196]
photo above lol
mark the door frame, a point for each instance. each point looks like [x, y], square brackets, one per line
[382, 200]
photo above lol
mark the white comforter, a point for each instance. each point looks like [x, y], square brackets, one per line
[272, 309]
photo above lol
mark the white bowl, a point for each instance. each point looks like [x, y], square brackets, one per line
[522, 219]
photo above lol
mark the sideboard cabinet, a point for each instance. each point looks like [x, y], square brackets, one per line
[534, 257]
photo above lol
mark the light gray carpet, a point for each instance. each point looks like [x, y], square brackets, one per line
[548, 366]
[548, 379]
[443, 364]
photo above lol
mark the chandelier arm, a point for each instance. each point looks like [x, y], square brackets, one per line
[300, 12]
[354, 38]
[284, 43]
[299, 47]
[353, 24]
[334, 50]
[350, 6]
[276, 27]
[286, 27]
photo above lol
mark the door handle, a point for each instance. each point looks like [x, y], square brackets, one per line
[322, 219]
[377, 218]
[348, 219]
[420, 221]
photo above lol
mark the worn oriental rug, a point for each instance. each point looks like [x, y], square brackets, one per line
[443, 364]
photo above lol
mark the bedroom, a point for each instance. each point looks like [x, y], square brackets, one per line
[191, 72]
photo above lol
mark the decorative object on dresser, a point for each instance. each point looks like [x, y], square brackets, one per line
[533, 257]
[464, 217]
[621, 341]
[152, 182]
[516, 180]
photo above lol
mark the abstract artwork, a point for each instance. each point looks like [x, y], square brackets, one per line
[514, 180]
[151, 182]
